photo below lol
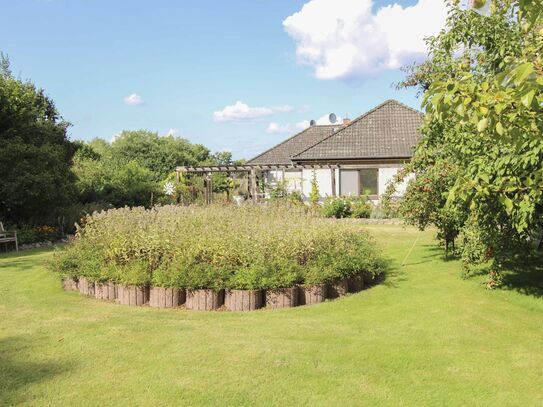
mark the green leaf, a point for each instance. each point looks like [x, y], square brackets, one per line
[499, 128]
[508, 204]
[527, 98]
[482, 125]
[460, 110]
[522, 72]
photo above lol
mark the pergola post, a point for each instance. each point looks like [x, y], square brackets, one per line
[253, 187]
[333, 172]
[208, 189]
[210, 186]
[205, 190]
[228, 183]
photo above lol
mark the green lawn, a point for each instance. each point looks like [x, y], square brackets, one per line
[423, 337]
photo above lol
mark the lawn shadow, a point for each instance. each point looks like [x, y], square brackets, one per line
[525, 275]
[23, 259]
[393, 274]
[438, 252]
[433, 253]
[17, 372]
[27, 253]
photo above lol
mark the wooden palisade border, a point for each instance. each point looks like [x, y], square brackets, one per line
[209, 300]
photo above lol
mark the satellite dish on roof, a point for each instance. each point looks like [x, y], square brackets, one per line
[333, 118]
[312, 123]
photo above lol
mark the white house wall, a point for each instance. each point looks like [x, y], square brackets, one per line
[386, 175]
[324, 180]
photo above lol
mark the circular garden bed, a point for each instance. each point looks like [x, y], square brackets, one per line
[210, 258]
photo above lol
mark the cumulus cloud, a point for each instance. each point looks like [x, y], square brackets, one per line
[343, 39]
[276, 128]
[240, 112]
[133, 100]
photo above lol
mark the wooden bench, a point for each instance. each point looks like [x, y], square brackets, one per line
[6, 237]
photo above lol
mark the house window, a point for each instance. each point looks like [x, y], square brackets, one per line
[369, 181]
[348, 183]
[359, 182]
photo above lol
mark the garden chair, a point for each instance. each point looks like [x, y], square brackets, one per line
[6, 237]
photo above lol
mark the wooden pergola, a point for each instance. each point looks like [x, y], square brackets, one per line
[251, 170]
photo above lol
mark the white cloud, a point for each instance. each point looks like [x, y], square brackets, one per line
[133, 100]
[344, 38]
[240, 112]
[276, 128]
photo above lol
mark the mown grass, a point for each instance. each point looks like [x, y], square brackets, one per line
[423, 337]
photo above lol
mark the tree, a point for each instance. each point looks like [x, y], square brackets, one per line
[483, 96]
[117, 182]
[35, 153]
[159, 154]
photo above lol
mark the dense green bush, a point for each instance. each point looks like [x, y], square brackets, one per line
[336, 208]
[217, 247]
[347, 208]
[361, 208]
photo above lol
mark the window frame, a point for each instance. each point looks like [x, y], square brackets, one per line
[359, 184]
[360, 190]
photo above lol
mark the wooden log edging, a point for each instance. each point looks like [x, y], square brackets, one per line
[106, 290]
[204, 300]
[243, 300]
[70, 284]
[132, 295]
[355, 284]
[210, 300]
[86, 287]
[338, 288]
[160, 297]
[282, 298]
[312, 294]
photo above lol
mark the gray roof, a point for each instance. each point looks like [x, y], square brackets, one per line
[390, 130]
[282, 153]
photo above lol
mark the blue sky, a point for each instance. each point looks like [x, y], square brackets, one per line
[186, 60]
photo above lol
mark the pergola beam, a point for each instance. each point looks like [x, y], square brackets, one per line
[249, 168]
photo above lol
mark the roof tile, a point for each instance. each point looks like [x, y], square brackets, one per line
[281, 153]
[390, 130]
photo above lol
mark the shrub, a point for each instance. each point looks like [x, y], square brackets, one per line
[246, 278]
[378, 212]
[27, 234]
[361, 208]
[133, 273]
[167, 275]
[356, 257]
[216, 247]
[295, 198]
[202, 275]
[336, 208]
[280, 274]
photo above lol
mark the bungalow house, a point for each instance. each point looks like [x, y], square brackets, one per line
[358, 157]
